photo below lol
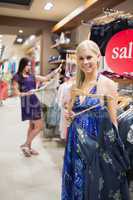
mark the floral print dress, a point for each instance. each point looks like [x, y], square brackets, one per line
[94, 168]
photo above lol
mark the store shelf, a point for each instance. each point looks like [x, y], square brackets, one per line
[123, 81]
[63, 45]
[58, 62]
[70, 51]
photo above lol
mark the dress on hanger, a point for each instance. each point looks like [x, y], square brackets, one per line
[62, 97]
[99, 174]
[30, 105]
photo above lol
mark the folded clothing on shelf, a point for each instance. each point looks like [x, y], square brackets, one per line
[54, 58]
[112, 75]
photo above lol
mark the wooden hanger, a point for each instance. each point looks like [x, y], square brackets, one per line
[125, 113]
[111, 16]
[123, 101]
[78, 92]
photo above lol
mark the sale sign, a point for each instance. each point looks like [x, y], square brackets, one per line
[119, 52]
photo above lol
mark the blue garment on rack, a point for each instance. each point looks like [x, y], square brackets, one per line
[98, 174]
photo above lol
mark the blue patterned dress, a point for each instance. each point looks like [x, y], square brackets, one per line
[30, 105]
[94, 169]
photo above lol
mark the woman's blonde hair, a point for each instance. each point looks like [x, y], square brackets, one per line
[86, 44]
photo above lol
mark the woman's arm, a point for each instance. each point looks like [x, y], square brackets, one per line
[43, 78]
[112, 102]
[49, 76]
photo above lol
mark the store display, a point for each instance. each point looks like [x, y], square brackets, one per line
[112, 30]
[108, 25]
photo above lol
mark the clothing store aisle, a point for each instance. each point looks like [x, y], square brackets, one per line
[22, 178]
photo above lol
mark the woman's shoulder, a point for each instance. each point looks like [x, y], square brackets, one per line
[107, 82]
[108, 86]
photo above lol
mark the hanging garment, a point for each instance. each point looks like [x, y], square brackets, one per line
[101, 34]
[63, 97]
[126, 134]
[53, 115]
[30, 105]
[101, 176]
[3, 90]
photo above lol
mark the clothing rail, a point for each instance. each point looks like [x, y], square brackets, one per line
[108, 17]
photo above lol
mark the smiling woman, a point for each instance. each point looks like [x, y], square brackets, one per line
[94, 150]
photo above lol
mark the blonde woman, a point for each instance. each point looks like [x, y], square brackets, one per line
[95, 160]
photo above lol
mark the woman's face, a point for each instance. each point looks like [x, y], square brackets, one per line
[27, 68]
[87, 61]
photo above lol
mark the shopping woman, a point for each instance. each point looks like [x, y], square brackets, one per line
[95, 160]
[23, 83]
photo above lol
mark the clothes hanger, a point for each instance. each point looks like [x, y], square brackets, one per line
[111, 15]
[78, 92]
[86, 110]
[125, 113]
[124, 101]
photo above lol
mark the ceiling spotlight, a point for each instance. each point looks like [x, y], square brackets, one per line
[20, 31]
[1, 36]
[19, 40]
[48, 6]
[32, 37]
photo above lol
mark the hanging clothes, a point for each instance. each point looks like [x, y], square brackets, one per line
[62, 97]
[126, 134]
[3, 90]
[101, 34]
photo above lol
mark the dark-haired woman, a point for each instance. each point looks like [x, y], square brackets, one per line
[23, 83]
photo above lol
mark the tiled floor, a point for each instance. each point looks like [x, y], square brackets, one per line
[35, 178]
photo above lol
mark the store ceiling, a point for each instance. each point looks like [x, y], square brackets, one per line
[16, 2]
[19, 10]
[35, 11]
[30, 16]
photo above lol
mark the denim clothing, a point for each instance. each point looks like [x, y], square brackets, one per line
[125, 125]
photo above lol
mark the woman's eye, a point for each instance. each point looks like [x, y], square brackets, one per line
[80, 58]
[89, 57]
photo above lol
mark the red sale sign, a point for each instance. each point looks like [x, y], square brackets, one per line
[119, 52]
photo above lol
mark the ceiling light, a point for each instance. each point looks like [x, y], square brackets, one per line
[1, 36]
[32, 37]
[19, 40]
[48, 6]
[20, 31]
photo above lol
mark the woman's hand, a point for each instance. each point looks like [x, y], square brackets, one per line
[22, 94]
[30, 92]
[55, 72]
[69, 116]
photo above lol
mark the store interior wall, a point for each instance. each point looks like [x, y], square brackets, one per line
[46, 51]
